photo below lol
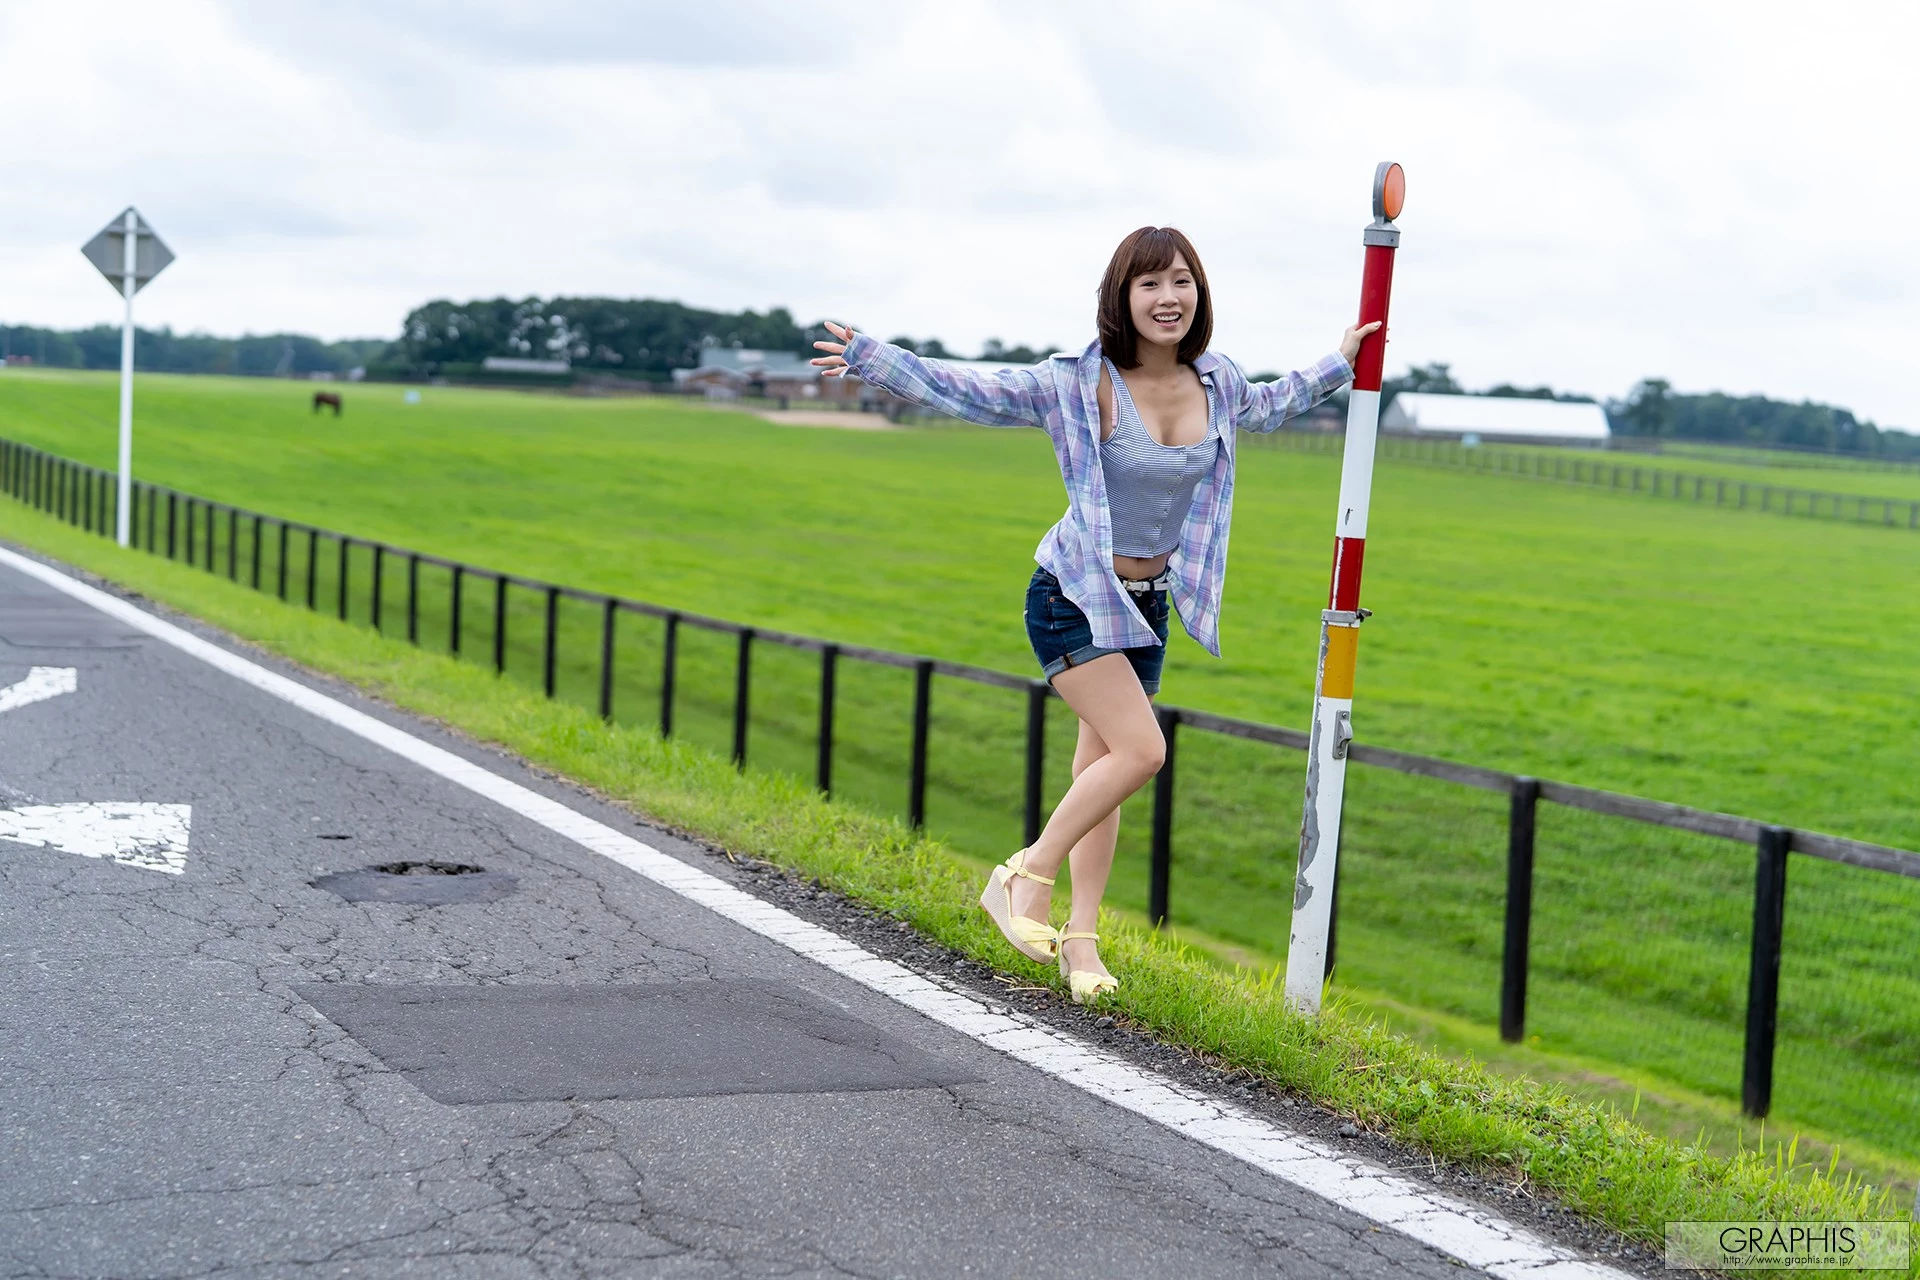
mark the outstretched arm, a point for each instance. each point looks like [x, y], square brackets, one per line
[1265, 405]
[1002, 398]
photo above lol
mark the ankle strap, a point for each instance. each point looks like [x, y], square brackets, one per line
[1021, 870]
[1067, 936]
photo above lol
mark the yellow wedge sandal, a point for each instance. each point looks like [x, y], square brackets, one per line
[1087, 985]
[1034, 939]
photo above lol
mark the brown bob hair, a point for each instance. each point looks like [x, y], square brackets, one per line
[1146, 250]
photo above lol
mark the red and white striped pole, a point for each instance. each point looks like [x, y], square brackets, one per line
[1340, 621]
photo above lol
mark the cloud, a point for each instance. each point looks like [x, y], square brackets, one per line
[1693, 190]
[505, 33]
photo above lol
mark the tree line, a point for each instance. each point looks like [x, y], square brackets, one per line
[646, 339]
[1654, 409]
[164, 351]
[934, 349]
[641, 338]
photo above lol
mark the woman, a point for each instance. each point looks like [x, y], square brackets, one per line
[1143, 425]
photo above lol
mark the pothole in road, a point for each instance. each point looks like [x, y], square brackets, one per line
[420, 883]
[428, 869]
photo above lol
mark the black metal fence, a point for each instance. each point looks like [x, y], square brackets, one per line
[1767, 453]
[260, 550]
[1603, 471]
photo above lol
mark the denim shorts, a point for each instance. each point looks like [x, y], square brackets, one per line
[1062, 637]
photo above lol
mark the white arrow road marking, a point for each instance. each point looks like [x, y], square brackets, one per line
[153, 836]
[41, 683]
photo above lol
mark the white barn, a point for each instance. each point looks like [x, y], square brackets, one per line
[1495, 417]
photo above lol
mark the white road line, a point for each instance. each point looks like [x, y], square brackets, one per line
[1473, 1235]
[151, 836]
[41, 683]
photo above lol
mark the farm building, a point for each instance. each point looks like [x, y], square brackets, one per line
[1497, 417]
[725, 373]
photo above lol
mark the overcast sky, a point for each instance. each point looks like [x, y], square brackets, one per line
[1713, 193]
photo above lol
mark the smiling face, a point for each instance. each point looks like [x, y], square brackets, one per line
[1163, 303]
[1154, 290]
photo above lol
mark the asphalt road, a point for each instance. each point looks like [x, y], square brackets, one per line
[275, 1063]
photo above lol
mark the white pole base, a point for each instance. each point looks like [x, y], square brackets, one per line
[1319, 855]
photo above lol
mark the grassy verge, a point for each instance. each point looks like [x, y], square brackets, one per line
[1589, 1156]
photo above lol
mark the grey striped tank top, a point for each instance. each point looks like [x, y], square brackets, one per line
[1150, 485]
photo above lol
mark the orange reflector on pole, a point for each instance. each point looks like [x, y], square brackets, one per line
[1390, 193]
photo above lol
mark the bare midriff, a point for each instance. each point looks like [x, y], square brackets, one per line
[1140, 566]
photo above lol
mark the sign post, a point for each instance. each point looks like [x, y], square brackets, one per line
[129, 253]
[1340, 621]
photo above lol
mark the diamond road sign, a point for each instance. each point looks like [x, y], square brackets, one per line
[107, 251]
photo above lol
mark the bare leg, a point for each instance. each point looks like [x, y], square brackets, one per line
[1091, 859]
[1091, 862]
[1119, 748]
[1107, 697]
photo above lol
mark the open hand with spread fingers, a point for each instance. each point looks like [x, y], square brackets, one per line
[834, 363]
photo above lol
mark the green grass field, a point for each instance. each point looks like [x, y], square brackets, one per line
[1720, 659]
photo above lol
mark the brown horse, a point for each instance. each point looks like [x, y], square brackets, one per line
[321, 399]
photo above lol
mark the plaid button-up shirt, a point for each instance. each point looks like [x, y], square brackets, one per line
[1061, 395]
